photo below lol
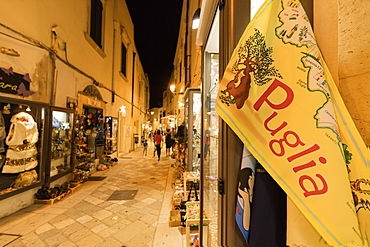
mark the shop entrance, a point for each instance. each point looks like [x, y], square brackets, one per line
[93, 124]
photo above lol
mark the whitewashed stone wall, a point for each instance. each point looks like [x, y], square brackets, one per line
[342, 28]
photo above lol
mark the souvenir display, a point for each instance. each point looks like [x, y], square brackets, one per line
[83, 162]
[25, 179]
[111, 135]
[20, 135]
[21, 140]
[193, 222]
[89, 139]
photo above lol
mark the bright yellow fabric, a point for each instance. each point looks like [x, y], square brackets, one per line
[279, 98]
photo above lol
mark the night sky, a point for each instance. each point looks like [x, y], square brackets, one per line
[156, 24]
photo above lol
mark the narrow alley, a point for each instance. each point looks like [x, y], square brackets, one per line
[264, 106]
[94, 216]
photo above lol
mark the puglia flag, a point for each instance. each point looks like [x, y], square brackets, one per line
[279, 98]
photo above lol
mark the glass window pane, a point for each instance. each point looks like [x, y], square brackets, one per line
[210, 153]
[210, 138]
[21, 135]
[96, 21]
[61, 145]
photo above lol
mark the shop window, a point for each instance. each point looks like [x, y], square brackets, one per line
[192, 121]
[61, 143]
[123, 59]
[210, 139]
[111, 134]
[96, 22]
[21, 149]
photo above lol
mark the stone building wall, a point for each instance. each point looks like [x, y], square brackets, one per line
[354, 55]
[342, 29]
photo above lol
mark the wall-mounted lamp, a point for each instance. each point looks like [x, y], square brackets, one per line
[173, 89]
[152, 113]
[196, 19]
[122, 109]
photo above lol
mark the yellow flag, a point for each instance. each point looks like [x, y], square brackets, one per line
[279, 98]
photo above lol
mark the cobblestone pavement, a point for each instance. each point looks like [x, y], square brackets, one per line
[87, 217]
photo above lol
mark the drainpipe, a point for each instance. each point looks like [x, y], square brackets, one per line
[116, 26]
[186, 44]
[133, 83]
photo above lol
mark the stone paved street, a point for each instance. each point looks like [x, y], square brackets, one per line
[87, 218]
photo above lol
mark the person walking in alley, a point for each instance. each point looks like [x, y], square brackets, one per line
[169, 142]
[158, 143]
[145, 147]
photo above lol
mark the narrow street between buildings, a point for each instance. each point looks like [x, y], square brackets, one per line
[126, 205]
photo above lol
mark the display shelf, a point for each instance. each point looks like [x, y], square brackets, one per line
[193, 222]
[82, 157]
[58, 198]
[49, 201]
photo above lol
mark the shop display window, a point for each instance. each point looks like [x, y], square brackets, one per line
[210, 139]
[193, 126]
[111, 134]
[210, 151]
[61, 141]
[21, 137]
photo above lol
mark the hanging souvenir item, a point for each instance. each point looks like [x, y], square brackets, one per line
[245, 192]
[21, 141]
[6, 109]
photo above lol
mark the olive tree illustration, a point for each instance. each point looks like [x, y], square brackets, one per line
[254, 60]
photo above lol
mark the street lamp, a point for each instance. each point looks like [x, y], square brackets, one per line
[173, 89]
[196, 19]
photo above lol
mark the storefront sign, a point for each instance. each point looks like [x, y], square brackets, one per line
[14, 83]
[279, 98]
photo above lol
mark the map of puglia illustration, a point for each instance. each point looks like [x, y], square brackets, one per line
[296, 30]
